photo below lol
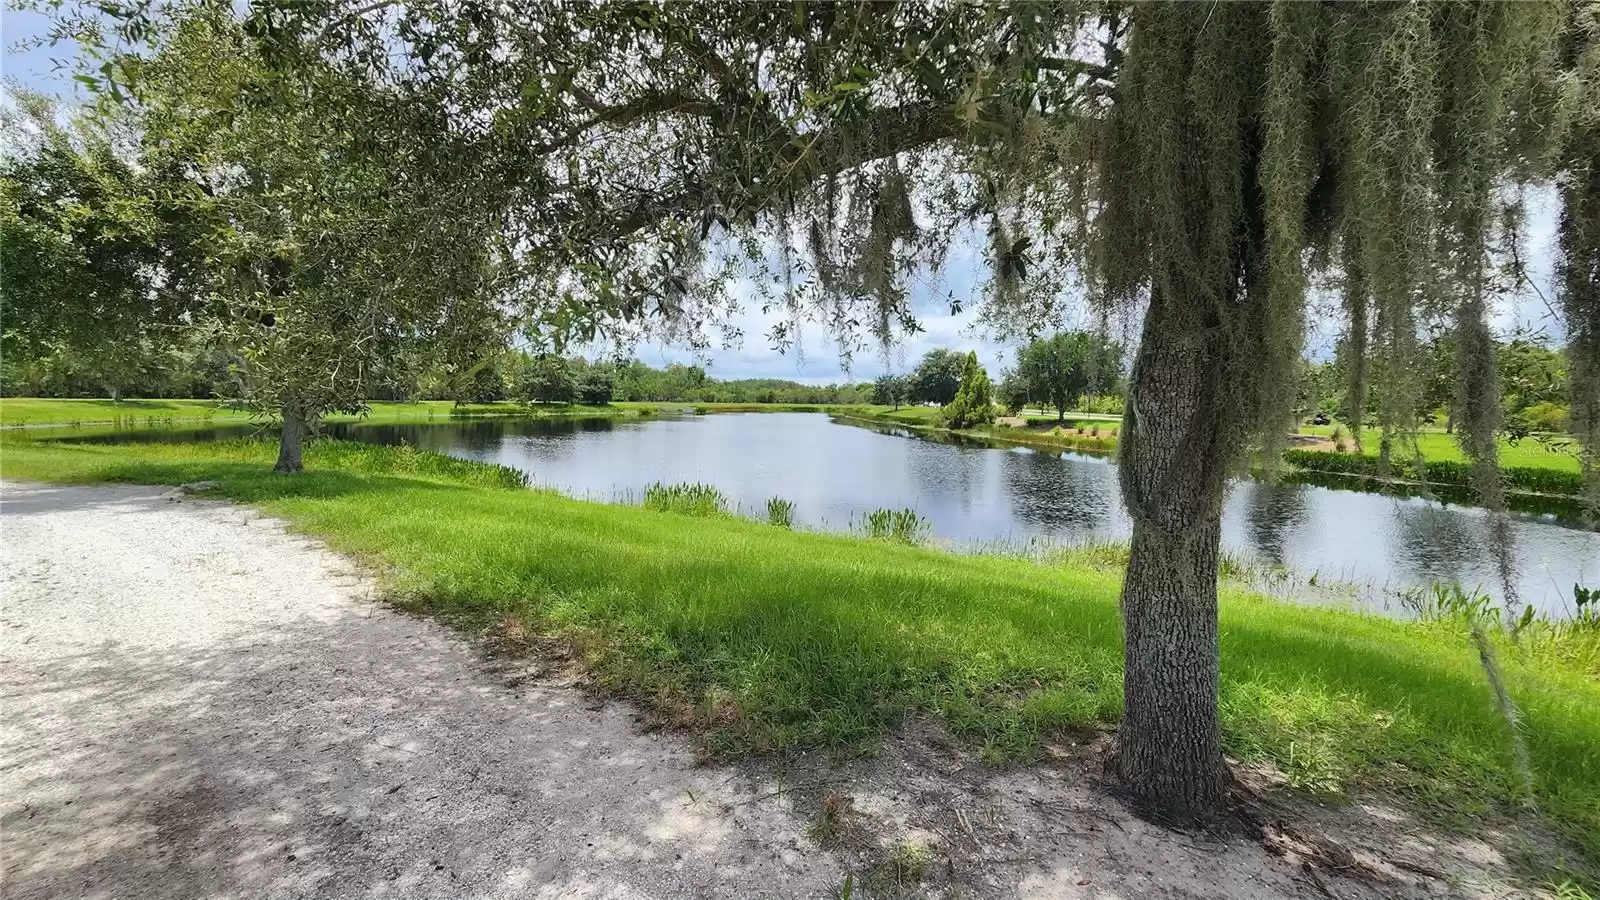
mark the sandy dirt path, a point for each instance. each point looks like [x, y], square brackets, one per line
[199, 704]
[196, 703]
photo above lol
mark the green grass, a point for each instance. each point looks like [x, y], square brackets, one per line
[767, 639]
[1438, 446]
[1094, 435]
[16, 411]
[44, 411]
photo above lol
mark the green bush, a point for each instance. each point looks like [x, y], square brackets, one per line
[1452, 472]
[1544, 416]
[973, 404]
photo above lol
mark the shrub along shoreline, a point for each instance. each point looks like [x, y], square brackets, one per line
[766, 639]
[1532, 481]
[1454, 473]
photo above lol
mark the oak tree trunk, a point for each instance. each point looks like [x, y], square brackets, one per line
[1174, 468]
[290, 440]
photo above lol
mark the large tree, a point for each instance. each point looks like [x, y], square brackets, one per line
[349, 241]
[1184, 166]
[100, 267]
[937, 377]
[1060, 369]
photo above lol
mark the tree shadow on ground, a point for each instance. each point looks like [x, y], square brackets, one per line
[355, 755]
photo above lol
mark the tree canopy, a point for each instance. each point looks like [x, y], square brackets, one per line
[98, 263]
[1061, 369]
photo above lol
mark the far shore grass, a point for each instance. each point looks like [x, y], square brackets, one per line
[1083, 431]
[33, 411]
[1436, 445]
[767, 640]
[40, 411]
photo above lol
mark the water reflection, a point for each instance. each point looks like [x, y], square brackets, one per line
[1447, 545]
[1271, 511]
[1083, 502]
[978, 494]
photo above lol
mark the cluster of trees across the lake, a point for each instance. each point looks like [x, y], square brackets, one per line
[194, 369]
[1532, 374]
[1070, 370]
[550, 378]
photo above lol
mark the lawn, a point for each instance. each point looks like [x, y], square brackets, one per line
[43, 411]
[46, 411]
[1438, 446]
[1083, 432]
[766, 640]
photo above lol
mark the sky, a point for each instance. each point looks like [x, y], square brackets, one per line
[814, 359]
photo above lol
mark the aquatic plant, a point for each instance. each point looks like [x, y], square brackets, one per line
[780, 512]
[688, 498]
[902, 525]
[1448, 601]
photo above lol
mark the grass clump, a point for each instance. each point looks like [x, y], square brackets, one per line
[770, 640]
[689, 499]
[902, 870]
[902, 525]
[780, 512]
[832, 818]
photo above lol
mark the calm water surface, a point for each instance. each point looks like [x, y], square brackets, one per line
[977, 495]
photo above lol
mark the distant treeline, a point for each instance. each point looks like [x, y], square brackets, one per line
[202, 372]
[556, 379]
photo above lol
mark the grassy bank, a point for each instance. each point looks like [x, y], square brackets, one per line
[36, 411]
[1525, 479]
[1436, 445]
[767, 639]
[1091, 435]
[1528, 467]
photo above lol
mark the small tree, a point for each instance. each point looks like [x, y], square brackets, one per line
[973, 403]
[595, 383]
[1055, 370]
[345, 249]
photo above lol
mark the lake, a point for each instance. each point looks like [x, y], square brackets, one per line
[975, 495]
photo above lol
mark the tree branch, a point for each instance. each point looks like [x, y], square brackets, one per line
[651, 104]
[893, 131]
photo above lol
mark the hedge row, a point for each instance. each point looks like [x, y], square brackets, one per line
[1454, 472]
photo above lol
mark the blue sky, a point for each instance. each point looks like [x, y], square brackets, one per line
[817, 359]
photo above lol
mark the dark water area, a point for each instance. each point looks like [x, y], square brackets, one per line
[979, 495]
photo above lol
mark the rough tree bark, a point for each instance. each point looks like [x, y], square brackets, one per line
[1174, 466]
[290, 440]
